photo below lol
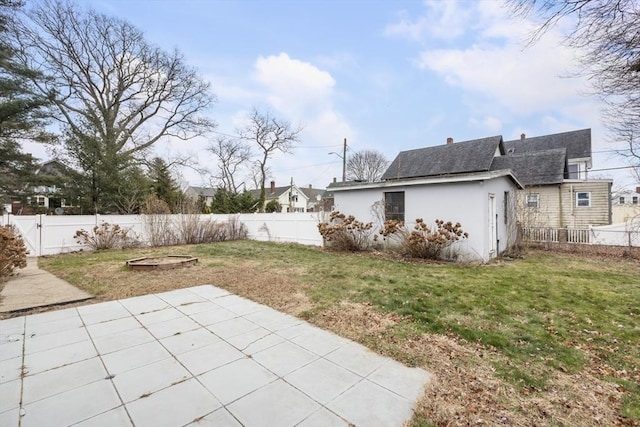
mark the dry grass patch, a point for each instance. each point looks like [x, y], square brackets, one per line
[464, 388]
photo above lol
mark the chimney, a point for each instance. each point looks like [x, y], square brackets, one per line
[522, 136]
[334, 179]
[310, 187]
[638, 190]
[273, 186]
[449, 141]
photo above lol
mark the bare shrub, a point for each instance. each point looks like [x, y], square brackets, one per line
[157, 223]
[13, 252]
[193, 229]
[424, 241]
[106, 236]
[346, 233]
[236, 230]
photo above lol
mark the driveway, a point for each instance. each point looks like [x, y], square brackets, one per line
[199, 357]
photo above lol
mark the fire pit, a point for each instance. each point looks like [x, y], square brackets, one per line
[166, 262]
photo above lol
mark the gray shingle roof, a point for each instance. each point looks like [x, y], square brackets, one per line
[577, 143]
[203, 191]
[278, 191]
[536, 168]
[461, 157]
[311, 193]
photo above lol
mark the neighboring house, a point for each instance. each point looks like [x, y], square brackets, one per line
[290, 197]
[452, 182]
[47, 198]
[315, 202]
[626, 205]
[554, 170]
[201, 193]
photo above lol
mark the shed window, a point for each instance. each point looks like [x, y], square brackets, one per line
[583, 199]
[394, 205]
[533, 200]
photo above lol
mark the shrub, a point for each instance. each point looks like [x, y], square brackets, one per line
[106, 236]
[346, 233]
[13, 252]
[236, 230]
[273, 206]
[424, 241]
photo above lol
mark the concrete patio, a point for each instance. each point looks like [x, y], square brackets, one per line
[199, 357]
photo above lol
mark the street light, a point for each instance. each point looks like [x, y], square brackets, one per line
[343, 165]
[344, 160]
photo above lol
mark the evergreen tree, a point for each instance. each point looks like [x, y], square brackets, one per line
[163, 185]
[21, 115]
[227, 202]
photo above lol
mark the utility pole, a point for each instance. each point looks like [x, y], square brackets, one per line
[344, 161]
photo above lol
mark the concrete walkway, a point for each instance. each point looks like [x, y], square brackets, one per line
[193, 357]
[33, 287]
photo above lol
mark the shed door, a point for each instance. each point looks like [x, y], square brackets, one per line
[493, 226]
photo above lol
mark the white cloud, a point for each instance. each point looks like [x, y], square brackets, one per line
[487, 124]
[441, 19]
[491, 64]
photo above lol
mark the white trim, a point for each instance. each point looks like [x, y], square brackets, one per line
[478, 176]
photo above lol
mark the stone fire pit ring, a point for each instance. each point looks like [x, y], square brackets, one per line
[162, 262]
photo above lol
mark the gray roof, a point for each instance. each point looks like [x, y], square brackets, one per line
[311, 193]
[203, 191]
[577, 144]
[278, 191]
[461, 157]
[539, 168]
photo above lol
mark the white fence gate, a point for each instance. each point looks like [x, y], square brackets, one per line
[53, 234]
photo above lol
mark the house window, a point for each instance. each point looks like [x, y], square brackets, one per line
[533, 201]
[40, 200]
[583, 199]
[293, 197]
[299, 209]
[574, 172]
[621, 200]
[394, 205]
[634, 200]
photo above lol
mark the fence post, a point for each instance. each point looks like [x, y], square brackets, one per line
[629, 236]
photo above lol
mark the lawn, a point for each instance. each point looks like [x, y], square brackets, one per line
[551, 339]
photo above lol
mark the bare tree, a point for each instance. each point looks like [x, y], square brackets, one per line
[270, 135]
[232, 155]
[366, 165]
[110, 87]
[607, 33]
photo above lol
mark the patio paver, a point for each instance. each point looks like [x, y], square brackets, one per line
[198, 356]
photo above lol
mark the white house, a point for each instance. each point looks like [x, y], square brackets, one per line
[290, 197]
[452, 182]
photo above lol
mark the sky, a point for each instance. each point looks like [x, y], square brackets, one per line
[386, 75]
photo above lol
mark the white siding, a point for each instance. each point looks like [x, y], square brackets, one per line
[463, 202]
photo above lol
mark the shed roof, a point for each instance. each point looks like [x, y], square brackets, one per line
[462, 157]
[577, 143]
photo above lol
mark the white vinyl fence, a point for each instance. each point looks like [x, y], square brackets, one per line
[53, 234]
[626, 234]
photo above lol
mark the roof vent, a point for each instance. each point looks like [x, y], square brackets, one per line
[449, 141]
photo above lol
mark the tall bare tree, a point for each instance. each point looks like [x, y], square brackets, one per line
[607, 33]
[269, 134]
[232, 156]
[110, 88]
[366, 165]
